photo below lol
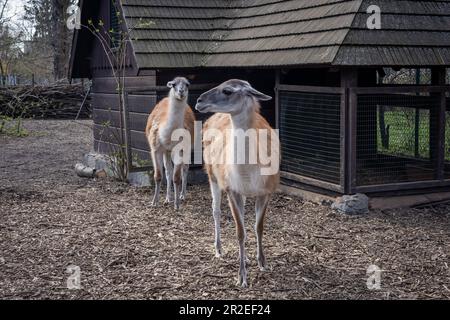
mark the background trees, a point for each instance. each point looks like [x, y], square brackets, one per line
[48, 18]
[35, 44]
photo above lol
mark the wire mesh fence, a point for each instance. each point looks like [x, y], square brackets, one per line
[398, 136]
[310, 135]
[395, 140]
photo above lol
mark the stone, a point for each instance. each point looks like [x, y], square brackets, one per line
[352, 204]
[101, 174]
[99, 162]
[96, 160]
[84, 171]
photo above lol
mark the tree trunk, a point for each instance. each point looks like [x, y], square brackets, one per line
[60, 41]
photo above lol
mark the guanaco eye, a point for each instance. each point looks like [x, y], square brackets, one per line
[227, 92]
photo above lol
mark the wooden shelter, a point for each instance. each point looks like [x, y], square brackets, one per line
[342, 130]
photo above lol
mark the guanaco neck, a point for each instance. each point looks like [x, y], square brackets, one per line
[177, 108]
[246, 118]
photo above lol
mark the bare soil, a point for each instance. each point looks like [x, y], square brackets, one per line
[50, 219]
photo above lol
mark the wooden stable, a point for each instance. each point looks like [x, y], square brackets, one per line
[342, 130]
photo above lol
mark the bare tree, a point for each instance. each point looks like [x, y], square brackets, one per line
[9, 41]
[50, 32]
[3, 6]
[60, 42]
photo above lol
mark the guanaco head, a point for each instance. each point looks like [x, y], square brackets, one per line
[232, 96]
[179, 88]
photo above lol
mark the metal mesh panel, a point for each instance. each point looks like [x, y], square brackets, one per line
[310, 135]
[447, 141]
[394, 140]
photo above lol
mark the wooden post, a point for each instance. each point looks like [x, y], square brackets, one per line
[343, 137]
[417, 121]
[277, 99]
[349, 101]
[437, 124]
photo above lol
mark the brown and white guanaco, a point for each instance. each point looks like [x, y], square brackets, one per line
[170, 114]
[236, 104]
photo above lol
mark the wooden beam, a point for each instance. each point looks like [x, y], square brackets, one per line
[437, 123]
[109, 84]
[352, 134]
[349, 81]
[440, 144]
[343, 139]
[401, 89]
[142, 103]
[403, 186]
[313, 89]
[277, 98]
[311, 181]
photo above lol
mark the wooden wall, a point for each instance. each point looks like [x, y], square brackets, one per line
[107, 117]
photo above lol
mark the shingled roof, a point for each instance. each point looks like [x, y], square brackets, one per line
[269, 33]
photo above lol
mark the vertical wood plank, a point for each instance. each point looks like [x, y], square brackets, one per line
[437, 124]
[440, 161]
[343, 139]
[349, 81]
[277, 99]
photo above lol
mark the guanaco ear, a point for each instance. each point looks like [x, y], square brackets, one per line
[258, 95]
[170, 84]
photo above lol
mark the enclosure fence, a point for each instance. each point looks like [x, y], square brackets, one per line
[394, 138]
[365, 139]
[311, 135]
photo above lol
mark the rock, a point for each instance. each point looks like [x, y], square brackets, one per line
[99, 162]
[101, 174]
[352, 204]
[84, 171]
[96, 160]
